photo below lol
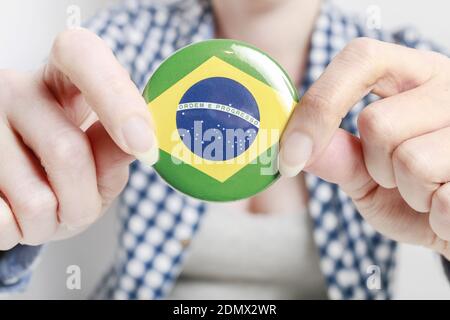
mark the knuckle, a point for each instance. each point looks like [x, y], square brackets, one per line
[9, 85]
[446, 253]
[71, 41]
[8, 242]
[9, 76]
[62, 43]
[319, 108]
[362, 48]
[7, 245]
[438, 58]
[37, 239]
[81, 217]
[68, 149]
[317, 103]
[88, 215]
[441, 66]
[414, 163]
[375, 127]
[435, 243]
[9, 235]
[36, 204]
[441, 199]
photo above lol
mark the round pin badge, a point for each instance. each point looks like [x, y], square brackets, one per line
[219, 107]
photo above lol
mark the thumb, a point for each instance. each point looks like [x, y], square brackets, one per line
[82, 61]
[364, 66]
[342, 163]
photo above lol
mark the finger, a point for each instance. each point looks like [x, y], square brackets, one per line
[64, 231]
[111, 162]
[23, 183]
[387, 123]
[9, 231]
[64, 152]
[342, 162]
[112, 172]
[440, 213]
[363, 66]
[421, 165]
[107, 88]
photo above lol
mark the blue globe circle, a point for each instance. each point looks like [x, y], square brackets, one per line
[218, 118]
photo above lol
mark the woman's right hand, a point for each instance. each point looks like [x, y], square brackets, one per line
[68, 133]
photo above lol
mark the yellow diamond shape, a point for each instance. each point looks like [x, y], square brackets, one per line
[274, 109]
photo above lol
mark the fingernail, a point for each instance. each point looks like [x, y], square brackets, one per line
[150, 157]
[65, 226]
[141, 140]
[294, 154]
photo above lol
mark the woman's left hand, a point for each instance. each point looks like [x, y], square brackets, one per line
[398, 171]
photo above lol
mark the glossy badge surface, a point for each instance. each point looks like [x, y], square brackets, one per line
[219, 107]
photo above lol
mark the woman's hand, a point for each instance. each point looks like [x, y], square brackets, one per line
[398, 172]
[59, 166]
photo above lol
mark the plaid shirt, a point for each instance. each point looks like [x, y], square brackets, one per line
[158, 222]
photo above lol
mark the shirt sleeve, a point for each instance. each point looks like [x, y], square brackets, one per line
[16, 266]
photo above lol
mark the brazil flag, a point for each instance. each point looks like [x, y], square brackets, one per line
[219, 108]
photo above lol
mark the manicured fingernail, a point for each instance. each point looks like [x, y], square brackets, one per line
[66, 227]
[294, 154]
[141, 140]
[79, 224]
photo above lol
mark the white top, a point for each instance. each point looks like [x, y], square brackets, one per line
[239, 255]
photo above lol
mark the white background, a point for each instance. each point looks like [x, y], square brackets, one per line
[27, 28]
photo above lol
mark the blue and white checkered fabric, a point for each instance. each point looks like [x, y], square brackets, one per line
[158, 223]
